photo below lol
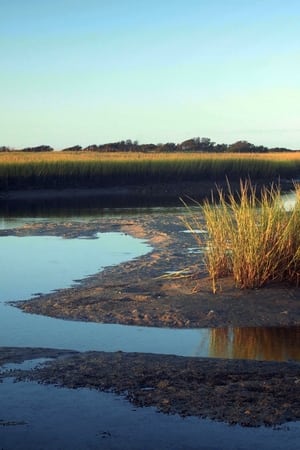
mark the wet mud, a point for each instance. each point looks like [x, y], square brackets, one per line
[249, 393]
[168, 287]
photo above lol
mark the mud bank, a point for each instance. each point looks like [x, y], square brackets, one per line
[249, 393]
[167, 287]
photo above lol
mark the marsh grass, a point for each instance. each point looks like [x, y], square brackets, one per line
[87, 169]
[251, 237]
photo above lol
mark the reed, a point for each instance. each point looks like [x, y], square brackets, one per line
[87, 169]
[250, 237]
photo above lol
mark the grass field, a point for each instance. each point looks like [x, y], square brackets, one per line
[21, 170]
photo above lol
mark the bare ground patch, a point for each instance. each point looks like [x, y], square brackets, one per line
[249, 393]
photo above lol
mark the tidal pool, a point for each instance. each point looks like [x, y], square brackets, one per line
[50, 418]
[35, 416]
[39, 264]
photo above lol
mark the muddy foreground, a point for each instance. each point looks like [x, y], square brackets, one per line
[142, 292]
[249, 393]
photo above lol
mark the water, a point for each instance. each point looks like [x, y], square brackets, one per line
[49, 418]
[289, 200]
[35, 264]
[34, 416]
[39, 264]
[43, 263]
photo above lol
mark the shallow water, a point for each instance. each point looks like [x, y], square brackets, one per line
[34, 416]
[289, 200]
[34, 264]
[50, 418]
[39, 264]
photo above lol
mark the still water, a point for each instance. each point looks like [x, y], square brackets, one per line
[49, 418]
[40, 264]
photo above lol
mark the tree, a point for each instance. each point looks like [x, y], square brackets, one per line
[74, 148]
[39, 148]
[241, 147]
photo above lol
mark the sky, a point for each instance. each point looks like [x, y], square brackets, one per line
[93, 71]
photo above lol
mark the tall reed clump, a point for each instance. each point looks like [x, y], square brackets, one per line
[250, 237]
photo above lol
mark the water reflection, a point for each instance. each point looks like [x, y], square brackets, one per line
[289, 200]
[49, 418]
[83, 205]
[16, 219]
[268, 344]
[34, 264]
[42, 263]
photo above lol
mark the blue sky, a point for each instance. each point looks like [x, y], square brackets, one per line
[93, 71]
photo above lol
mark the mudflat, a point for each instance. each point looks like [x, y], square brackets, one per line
[169, 287]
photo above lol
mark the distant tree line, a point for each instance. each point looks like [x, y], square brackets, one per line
[39, 148]
[197, 144]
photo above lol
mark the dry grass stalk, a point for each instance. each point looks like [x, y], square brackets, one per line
[250, 237]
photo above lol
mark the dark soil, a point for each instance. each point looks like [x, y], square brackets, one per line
[249, 393]
[19, 354]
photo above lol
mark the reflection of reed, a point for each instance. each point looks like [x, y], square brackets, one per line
[270, 344]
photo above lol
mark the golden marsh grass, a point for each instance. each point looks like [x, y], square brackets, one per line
[88, 169]
[251, 237]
